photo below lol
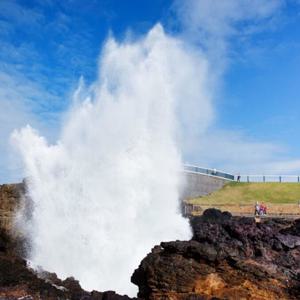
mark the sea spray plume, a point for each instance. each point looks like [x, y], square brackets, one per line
[108, 190]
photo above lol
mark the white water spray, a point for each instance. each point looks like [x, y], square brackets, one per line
[108, 190]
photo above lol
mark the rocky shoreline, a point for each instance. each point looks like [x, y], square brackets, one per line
[227, 258]
[19, 281]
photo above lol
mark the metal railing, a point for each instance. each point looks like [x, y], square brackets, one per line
[243, 178]
[269, 178]
[209, 172]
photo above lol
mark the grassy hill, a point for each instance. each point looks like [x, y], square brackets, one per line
[249, 193]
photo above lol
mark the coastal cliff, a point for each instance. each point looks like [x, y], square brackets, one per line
[227, 258]
[10, 196]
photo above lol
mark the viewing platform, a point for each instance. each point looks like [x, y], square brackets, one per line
[203, 181]
[208, 172]
[243, 177]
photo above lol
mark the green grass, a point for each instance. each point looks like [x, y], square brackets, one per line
[246, 193]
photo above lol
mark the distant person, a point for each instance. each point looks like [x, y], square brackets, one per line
[263, 209]
[238, 178]
[257, 209]
[261, 212]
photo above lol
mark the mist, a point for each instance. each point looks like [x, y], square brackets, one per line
[108, 190]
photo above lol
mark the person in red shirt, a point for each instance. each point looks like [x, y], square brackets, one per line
[263, 209]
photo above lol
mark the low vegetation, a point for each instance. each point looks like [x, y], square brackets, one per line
[249, 193]
[240, 198]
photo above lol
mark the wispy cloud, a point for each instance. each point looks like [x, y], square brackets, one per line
[235, 152]
[34, 83]
[218, 25]
[19, 106]
[20, 15]
[224, 31]
[37, 73]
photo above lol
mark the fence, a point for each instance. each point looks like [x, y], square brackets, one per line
[209, 172]
[269, 178]
[243, 178]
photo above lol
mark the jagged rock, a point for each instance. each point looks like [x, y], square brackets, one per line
[18, 281]
[227, 258]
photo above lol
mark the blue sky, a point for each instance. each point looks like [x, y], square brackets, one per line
[261, 92]
[253, 48]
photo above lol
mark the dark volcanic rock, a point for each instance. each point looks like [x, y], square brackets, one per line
[18, 281]
[227, 258]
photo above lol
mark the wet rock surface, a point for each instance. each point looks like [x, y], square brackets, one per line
[18, 281]
[227, 258]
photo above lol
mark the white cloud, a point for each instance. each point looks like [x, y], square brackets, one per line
[217, 20]
[236, 153]
[32, 91]
[217, 26]
[13, 11]
[19, 106]
[27, 95]
[220, 17]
